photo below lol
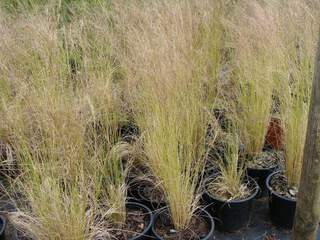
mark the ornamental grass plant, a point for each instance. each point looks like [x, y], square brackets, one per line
[294, 77]
[73, 72]
[61, 114]
[253, 74]
[230, 183]
[166, 56]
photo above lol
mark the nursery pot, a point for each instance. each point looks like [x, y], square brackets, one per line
[275, 135]
[282, 209]
[136, 194]
[152, 204]
[3, 224]
[201, 213]
[231, 215]
[132, 192]
[145, 235]
[260, 175]
[133, 184]
[133, 181]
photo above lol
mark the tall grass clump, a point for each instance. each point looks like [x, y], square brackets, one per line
[160, 54]
[96, 71]
[296, 57]
[230, 183]
[62, 119]
[253, 51]
[46, 142]
[295, 126]
[63, 10]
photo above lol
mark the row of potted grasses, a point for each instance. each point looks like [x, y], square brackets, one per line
[69, 86]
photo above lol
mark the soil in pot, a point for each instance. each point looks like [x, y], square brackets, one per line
[261, 166]
[264, 160]
[137, 225]
[200, 228]
[282, 200]
[231, 214]
[279, 184]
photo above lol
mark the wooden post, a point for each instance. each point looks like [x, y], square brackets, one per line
[308, 204]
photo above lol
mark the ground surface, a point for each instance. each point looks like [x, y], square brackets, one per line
[258, 229]
[259, 226]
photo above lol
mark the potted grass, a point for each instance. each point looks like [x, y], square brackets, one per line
[254, 116]
[229, 193]
[70, 187]
[110, 134]
[176, 159]
[167, 73]
[255, 89]
[284, 185]
[132, 220]
[108, 149]
[177, 165]
[145, 190]
[257, 76]
[83, 194]
[295, 76]
[142, 185]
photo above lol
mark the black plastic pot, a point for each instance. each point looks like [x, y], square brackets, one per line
[282, 209]
[133, 180]
[232, 215]
[260, 176]
[137, 195]
[133, 183]
[132, 192]
[153, 205]
[201, 212]
[3, 224]
[147, 233]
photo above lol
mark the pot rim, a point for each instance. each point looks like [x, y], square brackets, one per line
[205, 215]
[252, 196]
[143, 197]
[269, 168]
[4, 223]
[264, 169]
[274, 192]
[147, 211]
